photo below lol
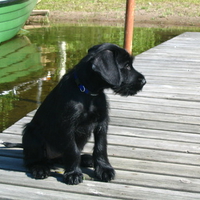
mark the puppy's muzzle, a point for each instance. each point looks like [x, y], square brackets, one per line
[142, 81]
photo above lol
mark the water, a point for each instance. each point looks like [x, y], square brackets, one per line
[32, 65]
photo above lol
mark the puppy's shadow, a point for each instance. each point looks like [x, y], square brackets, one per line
[12, 160]
[89, 172]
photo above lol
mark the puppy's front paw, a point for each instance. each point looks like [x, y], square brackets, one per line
[73, 178]
[105, 174]
[40, 171]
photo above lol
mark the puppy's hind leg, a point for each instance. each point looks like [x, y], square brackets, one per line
[35, 158]
[87, 160]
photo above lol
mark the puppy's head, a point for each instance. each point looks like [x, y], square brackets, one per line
[115, 65]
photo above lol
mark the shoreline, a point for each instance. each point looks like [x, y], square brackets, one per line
[116, 18]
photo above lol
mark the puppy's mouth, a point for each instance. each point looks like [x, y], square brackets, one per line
[127, 89]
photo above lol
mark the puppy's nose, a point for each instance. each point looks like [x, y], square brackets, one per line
[142, 81]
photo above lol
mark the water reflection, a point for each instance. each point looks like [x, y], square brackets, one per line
[19, 60]
[30, 68]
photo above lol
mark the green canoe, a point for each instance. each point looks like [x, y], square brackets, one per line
[13, 15]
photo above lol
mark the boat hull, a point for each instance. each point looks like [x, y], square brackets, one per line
[13, 15]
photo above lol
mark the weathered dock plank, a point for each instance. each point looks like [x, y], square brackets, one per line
[87, 190]
[154, 137]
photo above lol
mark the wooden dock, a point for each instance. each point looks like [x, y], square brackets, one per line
[154, 137]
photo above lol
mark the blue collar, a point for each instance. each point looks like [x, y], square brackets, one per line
[82, 88]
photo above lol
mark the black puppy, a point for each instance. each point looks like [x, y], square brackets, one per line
[74, 109]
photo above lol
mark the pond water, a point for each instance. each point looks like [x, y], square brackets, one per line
[32, 64]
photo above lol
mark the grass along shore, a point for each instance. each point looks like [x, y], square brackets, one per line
[147, 12]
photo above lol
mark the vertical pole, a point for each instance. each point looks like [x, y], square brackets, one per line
[129, 23]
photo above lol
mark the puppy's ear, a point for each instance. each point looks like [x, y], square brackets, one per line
[105, 64]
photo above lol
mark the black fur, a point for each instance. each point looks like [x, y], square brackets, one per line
[65, 120]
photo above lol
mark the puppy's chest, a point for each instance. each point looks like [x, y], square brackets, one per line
[91, 114]
[88, 112]
[87, 121]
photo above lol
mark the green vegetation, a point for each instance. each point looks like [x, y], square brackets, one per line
[80, 5]
[162, 7]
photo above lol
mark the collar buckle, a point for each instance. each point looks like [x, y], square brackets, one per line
[82, 87]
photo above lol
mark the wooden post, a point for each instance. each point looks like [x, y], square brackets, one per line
[129, 23]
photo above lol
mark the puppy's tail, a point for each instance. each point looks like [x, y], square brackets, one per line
[12, 145]
[27, 128]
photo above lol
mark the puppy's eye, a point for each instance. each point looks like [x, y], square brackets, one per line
[128, 67]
